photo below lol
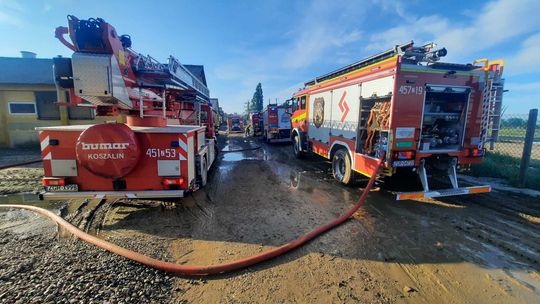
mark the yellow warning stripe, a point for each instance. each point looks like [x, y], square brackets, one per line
[300, 117]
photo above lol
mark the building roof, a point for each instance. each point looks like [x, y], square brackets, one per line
[197, 71]
[14, 70]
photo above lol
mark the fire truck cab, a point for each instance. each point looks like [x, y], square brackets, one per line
[419, 114]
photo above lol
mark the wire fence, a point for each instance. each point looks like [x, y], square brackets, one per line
[512, 137]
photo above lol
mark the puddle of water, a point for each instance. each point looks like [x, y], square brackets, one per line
[231, 148]
[232, 156]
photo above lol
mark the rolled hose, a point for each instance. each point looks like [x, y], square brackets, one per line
[198, 269]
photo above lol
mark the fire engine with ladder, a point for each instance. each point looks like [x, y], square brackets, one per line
[167, 144]
[424, 115]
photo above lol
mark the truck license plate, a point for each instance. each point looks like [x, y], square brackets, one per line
[403, 163]
[65, 188]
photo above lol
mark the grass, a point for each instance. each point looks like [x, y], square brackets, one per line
[504, 166]
[513, 132]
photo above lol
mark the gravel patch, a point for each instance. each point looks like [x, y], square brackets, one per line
[20, 179]
[40, 268]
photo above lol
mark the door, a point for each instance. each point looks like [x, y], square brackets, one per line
[320, 116]
[345, 111]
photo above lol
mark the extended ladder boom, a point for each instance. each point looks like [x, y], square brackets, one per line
[105, 71]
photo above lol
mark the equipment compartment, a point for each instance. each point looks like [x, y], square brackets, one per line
[443, 120]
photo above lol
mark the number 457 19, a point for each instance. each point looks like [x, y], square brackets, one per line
[408, 89]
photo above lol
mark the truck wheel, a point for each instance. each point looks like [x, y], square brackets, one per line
[204, 172]
[342, 167]
[297, 148]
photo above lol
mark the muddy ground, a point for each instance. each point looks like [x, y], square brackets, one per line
[471, 249]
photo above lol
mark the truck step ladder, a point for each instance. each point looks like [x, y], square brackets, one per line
[429, 193]
[491, 103]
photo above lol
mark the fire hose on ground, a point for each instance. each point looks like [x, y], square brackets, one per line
[198, 269]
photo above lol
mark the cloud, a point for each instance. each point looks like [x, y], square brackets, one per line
[287, 92]
[323, 33]
[497, 22]
[324, 26]
[526, 86]
[526, 59]
[10, 19]
[330, 33]
[10, 13]
[395, 7]
[414, 30]
[47, 7]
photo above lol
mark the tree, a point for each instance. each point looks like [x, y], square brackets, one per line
[257, 100]
[514, 122]
[247, 109]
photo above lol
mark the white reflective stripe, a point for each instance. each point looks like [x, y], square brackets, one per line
[191, 159]
[48, 156]
[44, 143]
[182, 144]
[181, 156]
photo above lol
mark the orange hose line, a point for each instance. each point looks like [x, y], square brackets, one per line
[202, 269]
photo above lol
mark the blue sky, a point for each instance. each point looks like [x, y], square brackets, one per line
[284, 43]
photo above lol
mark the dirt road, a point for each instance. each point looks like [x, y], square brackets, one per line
[473, 249]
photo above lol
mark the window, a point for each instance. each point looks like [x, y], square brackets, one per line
[303, 102]
[22, 108]
[46, 105]
[285, 117]
[294, 102]
[204, 116]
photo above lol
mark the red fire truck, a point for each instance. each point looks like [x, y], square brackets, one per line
[255, 124]
[277, 123]
[235, 124]
[424, 115]
[167, 145]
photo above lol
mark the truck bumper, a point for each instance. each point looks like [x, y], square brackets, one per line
[275, 140]
[50, 196]
[443, 192]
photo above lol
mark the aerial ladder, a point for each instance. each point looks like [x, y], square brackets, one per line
[108, 73]
[166, 145]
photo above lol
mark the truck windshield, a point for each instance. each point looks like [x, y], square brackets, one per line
[285, 117]
[204, 116]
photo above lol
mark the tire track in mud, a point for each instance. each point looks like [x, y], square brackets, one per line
[499, 227]
[504, 225]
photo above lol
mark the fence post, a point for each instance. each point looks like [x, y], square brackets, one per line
[527, 147]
